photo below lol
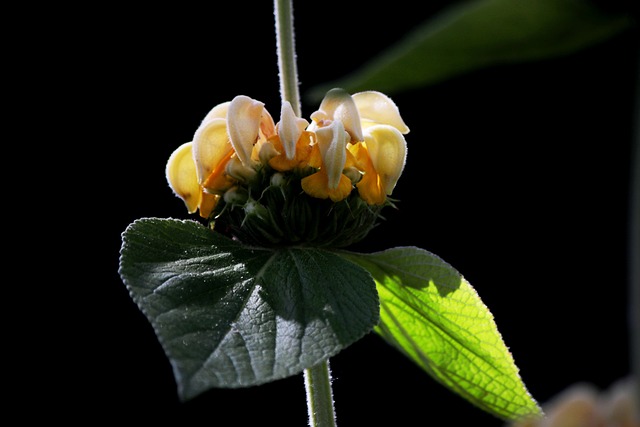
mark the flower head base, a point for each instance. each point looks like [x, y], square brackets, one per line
[322, 183]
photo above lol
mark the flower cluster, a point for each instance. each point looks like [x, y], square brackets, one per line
[293, 179]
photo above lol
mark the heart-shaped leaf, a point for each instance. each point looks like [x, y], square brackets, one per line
[228, 315]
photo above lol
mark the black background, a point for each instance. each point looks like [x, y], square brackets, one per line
[518, 176]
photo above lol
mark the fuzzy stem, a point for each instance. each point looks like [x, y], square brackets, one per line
[288, 72]
[318, 378]
[317, 382]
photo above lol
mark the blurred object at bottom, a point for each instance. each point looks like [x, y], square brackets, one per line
[583, 405]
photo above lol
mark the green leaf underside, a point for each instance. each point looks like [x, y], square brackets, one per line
[432, 314]
[233, 316]
[478, 34]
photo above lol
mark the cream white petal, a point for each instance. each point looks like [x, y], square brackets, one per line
[332, 99]
[317, 118]
[289, 129]
[267, 130]
[378, 108]
[243, 123]
[267, 126]
[266, 152]
[210, 145]
[181, 176]
[347, 113]
[237, 170]
[339, 105]
[388, 151]
[217, 112]
[332, 141]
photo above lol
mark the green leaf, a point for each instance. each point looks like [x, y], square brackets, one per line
[478, 34]
[234, 316]
[433, 315]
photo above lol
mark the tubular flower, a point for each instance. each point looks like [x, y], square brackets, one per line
[322, 182]
[376, 138]
[221, 153]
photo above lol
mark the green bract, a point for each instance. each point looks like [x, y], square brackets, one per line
[281, 214]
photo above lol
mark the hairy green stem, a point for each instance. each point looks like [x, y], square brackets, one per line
[317, 381]
[287, 67]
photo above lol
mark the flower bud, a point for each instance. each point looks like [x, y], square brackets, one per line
[236, 195]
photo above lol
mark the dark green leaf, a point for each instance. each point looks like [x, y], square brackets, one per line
[433, 315]
[478, 34]
[234, 316]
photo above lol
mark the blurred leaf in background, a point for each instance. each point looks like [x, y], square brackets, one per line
[473, 35]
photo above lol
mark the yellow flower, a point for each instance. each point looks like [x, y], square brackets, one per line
[329, 181]
[292, 144]
[224, 150]
[281, 183]
[374, 136]
[182, 177]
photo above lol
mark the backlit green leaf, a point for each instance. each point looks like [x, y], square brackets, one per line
[478, 34]
[433, 315]
[234, 316]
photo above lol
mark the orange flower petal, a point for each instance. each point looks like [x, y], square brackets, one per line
[208, 204]
[316, 185]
